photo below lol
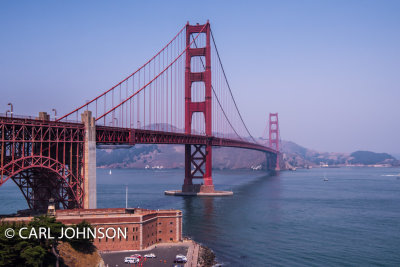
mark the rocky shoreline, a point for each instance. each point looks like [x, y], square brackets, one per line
[200, 255]
[207, 257]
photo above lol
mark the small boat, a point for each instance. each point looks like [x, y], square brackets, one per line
[110, 172]
[325, 178]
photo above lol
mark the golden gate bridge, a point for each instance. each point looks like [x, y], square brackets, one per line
[180, 96]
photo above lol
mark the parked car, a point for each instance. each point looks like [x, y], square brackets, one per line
[136, 256]
[180, 258]
[151, 255]
[131, 260]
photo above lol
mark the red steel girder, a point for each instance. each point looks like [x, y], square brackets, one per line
[124, 136]
[33, 150]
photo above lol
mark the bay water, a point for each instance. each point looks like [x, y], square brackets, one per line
[292, 219]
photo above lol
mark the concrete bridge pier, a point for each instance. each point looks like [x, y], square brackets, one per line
[90, 190]
[272, 163]
[198, 165]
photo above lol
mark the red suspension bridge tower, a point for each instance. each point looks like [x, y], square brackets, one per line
[274, 136]
[198, 162]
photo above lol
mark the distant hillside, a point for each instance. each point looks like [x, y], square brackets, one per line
[369, 158]
[291, 147]
[298, 156]
[116, 157]
[292, 155]
[173, 156]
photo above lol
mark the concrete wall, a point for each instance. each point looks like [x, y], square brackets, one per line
[90, 190]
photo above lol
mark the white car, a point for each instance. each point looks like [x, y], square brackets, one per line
[131, 260]
[151, 255]
[180, 258]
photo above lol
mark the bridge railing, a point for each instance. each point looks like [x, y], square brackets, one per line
[34, 118]
[8, 115]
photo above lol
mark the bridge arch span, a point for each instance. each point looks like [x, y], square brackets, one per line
[40, 178]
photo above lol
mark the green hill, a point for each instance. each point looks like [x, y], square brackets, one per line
[368, 157]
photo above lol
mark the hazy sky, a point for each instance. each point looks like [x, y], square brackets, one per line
[330, 68]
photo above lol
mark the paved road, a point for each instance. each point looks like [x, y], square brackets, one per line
[165, 256]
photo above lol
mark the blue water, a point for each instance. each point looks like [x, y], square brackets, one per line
[294, 219]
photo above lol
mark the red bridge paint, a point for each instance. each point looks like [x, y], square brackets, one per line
[45, 159]
[180, 96]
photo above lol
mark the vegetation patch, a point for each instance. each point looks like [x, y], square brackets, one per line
[42, 251]
[72, 257]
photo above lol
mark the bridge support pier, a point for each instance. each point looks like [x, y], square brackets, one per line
[198, 165]
[90, 191]
[272, 162]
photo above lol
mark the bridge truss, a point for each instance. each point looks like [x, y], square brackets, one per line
[180, 96]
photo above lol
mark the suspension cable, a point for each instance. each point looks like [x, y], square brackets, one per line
[230, 91]
[132, 74]
[219, 103]
[145, 86]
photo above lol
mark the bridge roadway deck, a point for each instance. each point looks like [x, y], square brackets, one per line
[116, 135]
[107, 135]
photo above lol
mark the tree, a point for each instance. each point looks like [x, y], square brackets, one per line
[34, 252]
[83, 244]
[33, 255]
[31, 251]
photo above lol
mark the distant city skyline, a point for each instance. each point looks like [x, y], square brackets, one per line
[329, 68]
